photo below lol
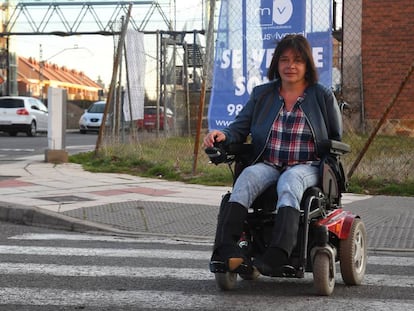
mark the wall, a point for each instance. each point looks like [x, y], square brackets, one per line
[387, 54]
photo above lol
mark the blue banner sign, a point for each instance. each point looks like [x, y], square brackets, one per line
[248, 31]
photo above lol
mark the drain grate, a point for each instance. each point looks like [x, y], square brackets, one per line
[65, 198]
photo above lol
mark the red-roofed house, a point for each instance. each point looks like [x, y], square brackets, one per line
[34, 78]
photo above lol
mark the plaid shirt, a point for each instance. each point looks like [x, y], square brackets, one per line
[291, 140]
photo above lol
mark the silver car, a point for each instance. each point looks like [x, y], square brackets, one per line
[22, 114]
[92, 118]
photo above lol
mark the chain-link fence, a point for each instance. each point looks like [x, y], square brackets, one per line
[173, 79]
[379, 150]
[173, 74]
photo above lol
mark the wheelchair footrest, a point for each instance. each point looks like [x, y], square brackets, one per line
[217, 266]
[286, 271]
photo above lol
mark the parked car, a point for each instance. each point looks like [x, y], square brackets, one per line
[150, 118]
[22, 114]
[92, 118]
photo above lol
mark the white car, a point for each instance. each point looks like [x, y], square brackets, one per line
[92, 118]
[22, 114]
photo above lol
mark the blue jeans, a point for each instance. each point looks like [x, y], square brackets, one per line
[291, 184]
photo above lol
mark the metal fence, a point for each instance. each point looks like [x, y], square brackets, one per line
[179, 67]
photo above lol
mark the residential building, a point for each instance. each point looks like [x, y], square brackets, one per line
[34, 78]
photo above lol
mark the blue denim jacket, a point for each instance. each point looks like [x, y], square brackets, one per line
[256, 118]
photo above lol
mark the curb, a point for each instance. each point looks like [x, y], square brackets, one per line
[34, 216]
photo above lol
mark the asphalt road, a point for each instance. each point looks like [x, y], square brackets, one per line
[13, 148]
[45, 269]
[23, 146]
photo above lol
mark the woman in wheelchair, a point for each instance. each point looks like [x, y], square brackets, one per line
[285, 118]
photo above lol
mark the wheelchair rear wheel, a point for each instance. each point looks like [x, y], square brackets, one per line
[353, 254]
[226, 281]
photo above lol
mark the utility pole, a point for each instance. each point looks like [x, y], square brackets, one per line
[206, 69]
[41, 65]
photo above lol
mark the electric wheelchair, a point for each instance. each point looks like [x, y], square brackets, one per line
[327, 233]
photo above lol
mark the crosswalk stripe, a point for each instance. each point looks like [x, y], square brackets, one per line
[105, 238]
[168, 272]
[103, 252]
[391, 261]
[105, 271]
[158, 253]
[177, 300]
[17, 150]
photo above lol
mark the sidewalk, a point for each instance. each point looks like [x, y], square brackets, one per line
[66, 197]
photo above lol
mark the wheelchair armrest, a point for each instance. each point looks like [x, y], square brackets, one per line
[333, 147]
[240, 149]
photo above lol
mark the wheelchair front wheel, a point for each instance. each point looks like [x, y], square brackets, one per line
[250, 276]
[226, 281]
[323, 274]
[353, 254]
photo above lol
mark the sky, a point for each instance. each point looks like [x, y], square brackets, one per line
[93, 54]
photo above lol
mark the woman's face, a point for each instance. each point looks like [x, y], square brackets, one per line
[292, 67]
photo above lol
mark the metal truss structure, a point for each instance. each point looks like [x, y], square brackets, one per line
[67, 18]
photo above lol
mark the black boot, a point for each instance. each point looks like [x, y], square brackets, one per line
[284, 237]
[229, 229]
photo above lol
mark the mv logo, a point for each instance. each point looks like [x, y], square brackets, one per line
[279, 13]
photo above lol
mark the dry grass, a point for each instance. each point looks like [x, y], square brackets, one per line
[386, 168]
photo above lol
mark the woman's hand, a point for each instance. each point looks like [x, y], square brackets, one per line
[212, 137]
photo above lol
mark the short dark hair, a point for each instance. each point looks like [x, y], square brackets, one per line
[299, 44]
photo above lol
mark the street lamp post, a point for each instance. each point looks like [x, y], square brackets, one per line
[43, 61]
